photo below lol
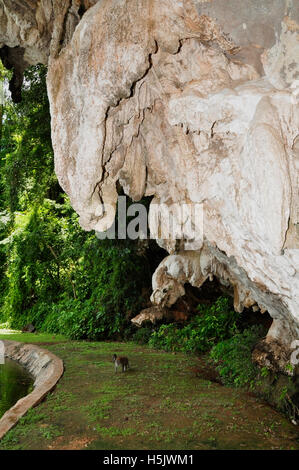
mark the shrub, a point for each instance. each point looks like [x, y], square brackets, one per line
[142, 335]
[213, 323]
[233, 357]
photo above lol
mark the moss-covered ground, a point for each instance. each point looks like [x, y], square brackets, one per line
[158, 404]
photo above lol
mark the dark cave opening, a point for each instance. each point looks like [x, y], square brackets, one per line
[208, 294]
[81, 10]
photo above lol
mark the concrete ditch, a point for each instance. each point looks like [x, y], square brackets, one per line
[46, 369]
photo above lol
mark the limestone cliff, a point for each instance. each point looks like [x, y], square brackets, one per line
[190, 101]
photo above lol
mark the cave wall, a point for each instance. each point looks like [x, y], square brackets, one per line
[192, 101]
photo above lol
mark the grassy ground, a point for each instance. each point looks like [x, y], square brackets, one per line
[13, 335]
[158, 404]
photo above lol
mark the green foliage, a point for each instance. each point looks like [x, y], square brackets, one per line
[213, 323]
[142, 335]
[233, 357]
[67, 281]
[27, 164]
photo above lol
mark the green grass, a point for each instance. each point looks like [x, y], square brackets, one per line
[158, 404]
[15, 335]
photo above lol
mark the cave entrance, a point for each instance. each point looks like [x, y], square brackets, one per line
[208, 294]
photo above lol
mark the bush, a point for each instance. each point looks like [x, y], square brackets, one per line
[233, 357]
[142, 335]
[72, 318]
[55, 268]
[213, 323]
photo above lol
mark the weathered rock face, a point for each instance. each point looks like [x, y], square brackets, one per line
[191, 101]
[31, 30]
[155, 314]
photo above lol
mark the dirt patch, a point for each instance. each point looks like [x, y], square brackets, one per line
[205, 371]
[74, 443]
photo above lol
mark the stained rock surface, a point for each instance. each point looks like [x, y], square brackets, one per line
[190, 102]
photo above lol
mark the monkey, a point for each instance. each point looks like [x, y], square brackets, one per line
[120, 361]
